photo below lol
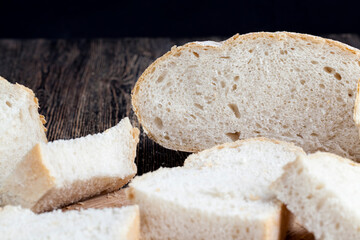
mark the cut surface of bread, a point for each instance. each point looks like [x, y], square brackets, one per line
[288, 86]
[322, 190]
[93, 224]
[65, 171]
[21, 126]
[221, 193]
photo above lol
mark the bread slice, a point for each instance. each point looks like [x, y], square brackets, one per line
[65, 171]
[221, 193]
[21, 126]
[92, 224]
[288, 86]
[322, 190]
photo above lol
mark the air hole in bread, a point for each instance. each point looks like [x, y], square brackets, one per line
[198, 93]
[234, 87]
[350, 93]
[302, 82]
[319, 186]
[332, 52]
[321, 85]
[251, 50]
[337, 76]
[314, 62]
[283, 52]
[199, 106]
[337, 225]
[339, 99]
[158, 123]
[222, 84]
[178, 54]
[308, 44]
[329, 70]
[318, 207]
[299, 135]
[196, 54]
[266, 54]
[153, 70]
[161, 78]
[193, 116]
[168, 109]
[292, 48]
[233, 136]
[314, 134]
[236, 78]
[310, 196]
[235, 109]
[167, 137]
[225, 57]
[8, 104]
[192, 66]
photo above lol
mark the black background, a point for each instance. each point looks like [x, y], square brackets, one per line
[81, 19]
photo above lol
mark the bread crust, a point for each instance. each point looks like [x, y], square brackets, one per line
[134, 230]
[357, 107]
[238, 143]
[278, 36]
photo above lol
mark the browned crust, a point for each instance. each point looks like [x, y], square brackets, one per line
[30, 172]
[285, 217]
[357, 106]
[79, 190]
[134, 230]
[239, 143]
[135, 134]
[278, 224]
[279, 36]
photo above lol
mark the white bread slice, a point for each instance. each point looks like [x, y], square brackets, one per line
[65, 171]
[91, 224]
[21, 126]
[221, 193]
[322, 190]
[288, 86]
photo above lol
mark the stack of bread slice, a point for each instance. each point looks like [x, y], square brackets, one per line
[44, 176]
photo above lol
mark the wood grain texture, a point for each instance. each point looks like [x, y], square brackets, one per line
[84, 87]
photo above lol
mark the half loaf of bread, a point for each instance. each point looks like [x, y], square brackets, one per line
[289, 86]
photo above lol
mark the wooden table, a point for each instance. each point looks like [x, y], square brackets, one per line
[84, 87]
